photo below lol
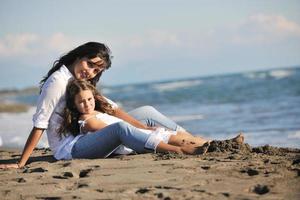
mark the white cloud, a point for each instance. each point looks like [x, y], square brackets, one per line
[13, 45]
[254, 30]
[26, 44]
[151, 38]
[265, 29]
[59, 42]
[161, 38]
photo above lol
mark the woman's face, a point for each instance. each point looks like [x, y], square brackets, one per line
[85, 102]
[86, 69]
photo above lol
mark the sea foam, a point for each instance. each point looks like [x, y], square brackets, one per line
[278, 74]
[15, 128]
[176, 85]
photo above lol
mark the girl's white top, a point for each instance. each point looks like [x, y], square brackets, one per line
[49, 113]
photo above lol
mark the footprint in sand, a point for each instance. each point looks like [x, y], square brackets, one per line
[205, 167]
[66, 175]
[35, 170]
[50, 198]
[84, 173]
[20, 180]
[142, 190]
[261, 189]
[250, 171]
[66, 164]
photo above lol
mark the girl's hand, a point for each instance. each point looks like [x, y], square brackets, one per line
[9, 166]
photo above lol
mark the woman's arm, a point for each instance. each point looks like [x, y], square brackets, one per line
[131, 120]
[31, 142]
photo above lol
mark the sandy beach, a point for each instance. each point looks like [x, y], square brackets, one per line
[225, 172]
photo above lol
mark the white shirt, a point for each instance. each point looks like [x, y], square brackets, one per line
[49, 112]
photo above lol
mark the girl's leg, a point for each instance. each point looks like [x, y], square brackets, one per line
[185, 149]
[102, 143]
[163, 147]
[185, 138]
[151, 117]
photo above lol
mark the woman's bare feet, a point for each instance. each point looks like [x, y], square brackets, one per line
[239, 138]
[202, 149]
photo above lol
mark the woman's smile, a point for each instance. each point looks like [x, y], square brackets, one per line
[86, 69]
[84, 75]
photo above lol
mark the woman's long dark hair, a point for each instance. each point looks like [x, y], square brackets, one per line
[88, 50]
[71, 114]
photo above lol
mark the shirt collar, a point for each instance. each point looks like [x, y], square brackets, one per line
[66, 71]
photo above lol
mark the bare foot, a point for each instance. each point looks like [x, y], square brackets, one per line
[239, 138]
[199, 150]
[202, 149]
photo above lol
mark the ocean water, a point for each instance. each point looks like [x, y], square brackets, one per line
[264, 105]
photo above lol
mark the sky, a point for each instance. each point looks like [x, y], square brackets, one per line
[151, 40]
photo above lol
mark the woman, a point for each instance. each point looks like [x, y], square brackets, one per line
[86, 62]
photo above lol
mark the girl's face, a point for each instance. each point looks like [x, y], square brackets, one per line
[86, 69]
[85, 102]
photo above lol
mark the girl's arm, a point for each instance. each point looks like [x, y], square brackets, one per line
[93, 124]
[32, 141]
[126, 117]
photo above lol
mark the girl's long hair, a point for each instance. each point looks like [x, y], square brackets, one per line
[71, 116]
[88, 50]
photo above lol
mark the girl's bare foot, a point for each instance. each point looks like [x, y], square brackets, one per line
[192, 150]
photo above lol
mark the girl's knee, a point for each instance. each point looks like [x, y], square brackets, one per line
[121, 125]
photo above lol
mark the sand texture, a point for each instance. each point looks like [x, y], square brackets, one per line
[225, 172]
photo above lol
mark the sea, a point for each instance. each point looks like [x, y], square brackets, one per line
[264, 105]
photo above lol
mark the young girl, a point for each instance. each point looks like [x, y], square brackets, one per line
[88, 111]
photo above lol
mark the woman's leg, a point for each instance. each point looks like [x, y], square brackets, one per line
[151, 117]
[102, 143]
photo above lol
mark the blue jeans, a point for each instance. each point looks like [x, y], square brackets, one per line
[103, 142]
[151, 117]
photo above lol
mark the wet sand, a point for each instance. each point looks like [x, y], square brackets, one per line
[226, 171]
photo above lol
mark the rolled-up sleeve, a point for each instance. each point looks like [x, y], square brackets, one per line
[52, 92]
[112, 103]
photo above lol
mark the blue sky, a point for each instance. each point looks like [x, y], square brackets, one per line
[150, 40]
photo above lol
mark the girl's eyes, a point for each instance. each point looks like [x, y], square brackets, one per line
[89, 99]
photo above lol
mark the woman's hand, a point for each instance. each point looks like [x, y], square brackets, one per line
[31, 142]
[150, 128]
[9, 166]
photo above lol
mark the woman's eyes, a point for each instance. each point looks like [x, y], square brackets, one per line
[94, 66]
[90, 64]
